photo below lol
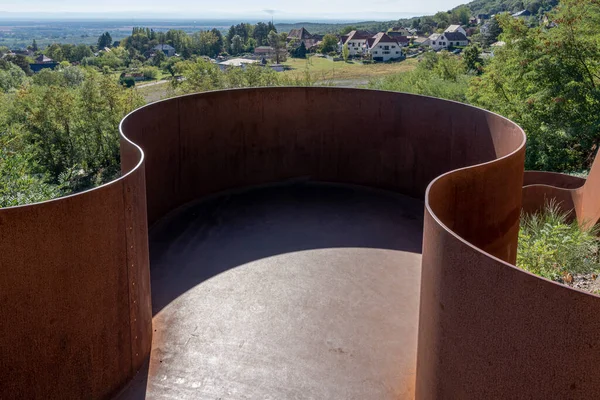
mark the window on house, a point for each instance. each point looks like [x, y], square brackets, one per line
[434, 43]
[397, 52]
[375, 52]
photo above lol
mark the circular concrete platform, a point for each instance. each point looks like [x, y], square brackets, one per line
[296, 291]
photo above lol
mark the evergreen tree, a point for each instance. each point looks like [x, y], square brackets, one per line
[105, 40]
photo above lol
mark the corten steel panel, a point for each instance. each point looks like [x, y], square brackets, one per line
[222, 140]
[487, 329]
[66, 270]
[476, 336]
[570, 193]
[553, 179]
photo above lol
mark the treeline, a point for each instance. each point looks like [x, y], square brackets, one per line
[239, 39]
[546, 78]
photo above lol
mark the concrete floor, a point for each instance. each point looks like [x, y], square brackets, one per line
[305, 291]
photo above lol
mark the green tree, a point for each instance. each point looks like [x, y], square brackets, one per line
[237, 45]
[300, 51]
[20, 61]
[472, 58]
[329, 43]
[345, 52]
[200, 75]
[105, 40]
[150, 72]
[159, 58]
[460, 15]
[11, 77]
[442, 19]
[260, 33]
[492, 31]
[80, 52]
[250, 45]
[34, 46]
[278, 42]
[55, 52]
[73, 76]
[347, 29]
[547, 80]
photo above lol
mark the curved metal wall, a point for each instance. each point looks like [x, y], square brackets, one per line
[571, 193]
[75, 315]
[206, 143]
[487, 329]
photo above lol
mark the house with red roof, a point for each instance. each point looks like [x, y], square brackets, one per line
[380, 46]
[357, 42]
[384, 48]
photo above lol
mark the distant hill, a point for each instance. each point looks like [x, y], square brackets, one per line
[536, 7]
[323, 28]
[512, 6]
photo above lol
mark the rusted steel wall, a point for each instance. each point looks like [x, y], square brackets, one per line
[202, 144]
[488, 330]
[569, 192]
[75, 270]
[74, 288]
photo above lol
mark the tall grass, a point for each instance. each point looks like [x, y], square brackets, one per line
[553, 247]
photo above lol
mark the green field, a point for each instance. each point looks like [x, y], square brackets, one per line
[323, 70]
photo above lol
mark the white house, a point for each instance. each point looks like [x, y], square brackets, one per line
[357, 42]
[455, 28]
[439, 41]
[384, 48]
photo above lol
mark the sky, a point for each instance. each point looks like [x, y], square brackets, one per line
[359, 10]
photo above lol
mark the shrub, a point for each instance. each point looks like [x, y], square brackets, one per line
[127, 81]
[150, 72]
[552, 247]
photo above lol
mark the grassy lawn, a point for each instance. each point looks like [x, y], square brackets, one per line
[323, 69]
[152, 93]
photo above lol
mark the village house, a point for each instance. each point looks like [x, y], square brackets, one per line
[165, 48]
[301, 35]
[357, 42]
[402, 39]
[42, 62]
[384, 48]
[381, 46]
[264, 51]
[442, 41]
[455, 28]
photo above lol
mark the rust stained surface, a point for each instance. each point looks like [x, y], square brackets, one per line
[571, 193]
[70, 269]
[297, 290]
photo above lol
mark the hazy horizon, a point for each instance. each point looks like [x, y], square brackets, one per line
[305, 11]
